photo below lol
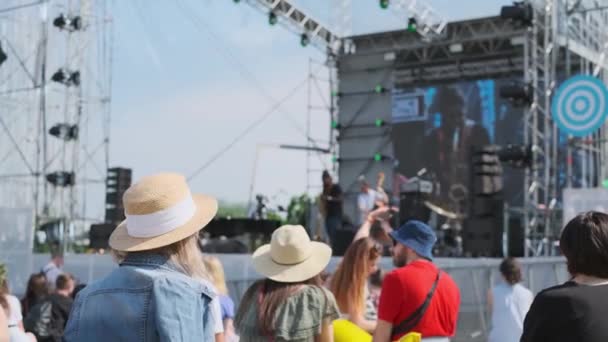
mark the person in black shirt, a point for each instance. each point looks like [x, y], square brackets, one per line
[577, 310]
[331, 200]
[61, 302]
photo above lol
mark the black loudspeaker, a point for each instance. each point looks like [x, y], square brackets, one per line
[482, 236]
[118, 181]
[516, 237]
[99, 234]
[411, 207]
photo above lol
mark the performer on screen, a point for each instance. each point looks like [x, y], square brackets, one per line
[448, 146]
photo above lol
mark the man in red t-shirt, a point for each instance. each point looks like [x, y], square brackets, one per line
[405, 290]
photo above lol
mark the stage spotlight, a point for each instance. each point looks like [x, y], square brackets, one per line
[335, 124]
[380, 157]
[518, 93]
[272, 19]
[3, 55]
[519, 12]
[64, 131]
[304, 40]
[71, 24]
[517, 155]
[379, 89]
[412, 25]
[379, 123]
[384, 4]
[66, 77]
[61, 178]
[60, 22]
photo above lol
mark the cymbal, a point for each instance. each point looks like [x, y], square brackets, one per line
[440, 211]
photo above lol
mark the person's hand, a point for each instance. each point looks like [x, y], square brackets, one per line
[382, 214]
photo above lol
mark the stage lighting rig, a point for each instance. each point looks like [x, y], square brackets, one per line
[3, 55]
[66, 77]
[519, 156]
[64, 131]
[412, 25]
[61, 178]
[68, 23]
[304, 40]
[520, 94]
[520, 12]
[384, 4]
[272, 19]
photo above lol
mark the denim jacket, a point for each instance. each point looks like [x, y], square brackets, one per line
[146, 299]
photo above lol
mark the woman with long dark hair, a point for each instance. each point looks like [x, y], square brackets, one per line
[577, 309]
[290, 304]
[37, 290]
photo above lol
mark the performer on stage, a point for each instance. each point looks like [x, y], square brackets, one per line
[331, 205]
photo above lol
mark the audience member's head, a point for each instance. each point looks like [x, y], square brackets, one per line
[65, 284]
[412, 241]
[511, 270]
[289, 261]
[584, 242]
[57, 256]
[348, 282]
[37, 287]
[326, 178]
[216, 271]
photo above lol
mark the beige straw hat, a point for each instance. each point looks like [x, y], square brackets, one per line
[291, 257]
[160, 210]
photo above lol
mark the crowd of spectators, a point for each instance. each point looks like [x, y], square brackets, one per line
[167, 290]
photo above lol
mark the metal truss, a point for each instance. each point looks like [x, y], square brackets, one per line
[540, 188]
[299, 22]
[429, 22]
[33, 103]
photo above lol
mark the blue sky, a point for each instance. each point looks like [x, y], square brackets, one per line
[179, 94]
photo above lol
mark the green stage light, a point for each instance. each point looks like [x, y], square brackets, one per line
[379, 89]
[335, 93]
[384, 4]
[335, 124]
[379, 122]
[272, 19]
[304, 40]
[605, 183]
[412, 25]
[377, 157]
[334, 159]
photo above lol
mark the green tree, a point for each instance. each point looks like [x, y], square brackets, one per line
[234, 210]
[297, 211]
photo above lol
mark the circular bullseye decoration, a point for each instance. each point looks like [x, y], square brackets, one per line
[580, 105]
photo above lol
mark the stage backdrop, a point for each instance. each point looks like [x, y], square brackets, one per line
[435, 127]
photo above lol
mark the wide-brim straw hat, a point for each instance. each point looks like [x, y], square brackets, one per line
[291, 257]
[160, 210]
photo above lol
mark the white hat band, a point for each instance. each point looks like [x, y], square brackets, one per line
[161, 222]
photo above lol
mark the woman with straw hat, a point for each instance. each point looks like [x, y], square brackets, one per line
[158, 292]
[289, 304]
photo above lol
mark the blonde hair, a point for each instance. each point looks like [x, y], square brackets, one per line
[185, 254]
[216, 272]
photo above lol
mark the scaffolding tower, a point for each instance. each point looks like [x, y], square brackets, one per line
[57, 77]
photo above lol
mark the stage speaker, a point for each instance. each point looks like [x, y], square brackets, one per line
[482, 236]
[411, 207]
[516, 237]
[486, 206]
[99, 234]
[118, 181]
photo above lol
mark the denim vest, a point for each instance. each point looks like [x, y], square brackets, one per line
[146, 299]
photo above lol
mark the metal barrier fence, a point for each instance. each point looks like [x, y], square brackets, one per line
[473, 276]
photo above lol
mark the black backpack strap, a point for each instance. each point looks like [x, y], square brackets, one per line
[410, 322]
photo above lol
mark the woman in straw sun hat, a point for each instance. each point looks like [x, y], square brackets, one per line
[289, 304]
[158, 292]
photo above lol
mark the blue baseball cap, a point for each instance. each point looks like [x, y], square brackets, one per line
[418, 236]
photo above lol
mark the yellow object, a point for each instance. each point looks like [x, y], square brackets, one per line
[347, 331]
[411, 337]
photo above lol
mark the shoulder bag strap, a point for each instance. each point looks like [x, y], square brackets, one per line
[410, 322]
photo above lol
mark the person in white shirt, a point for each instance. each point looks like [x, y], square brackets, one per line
[53, 269]
[366, 200]
[509, 302]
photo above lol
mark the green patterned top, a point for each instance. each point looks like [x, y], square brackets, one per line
[299, 319]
